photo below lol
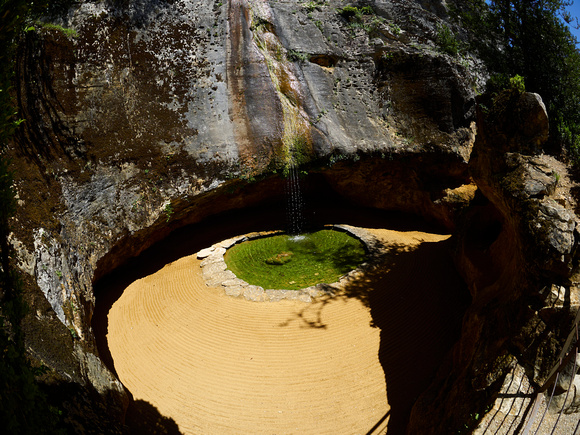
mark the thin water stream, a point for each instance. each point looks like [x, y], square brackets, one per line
[295, 202]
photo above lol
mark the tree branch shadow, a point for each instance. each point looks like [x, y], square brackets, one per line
[316, 307]
[417, 299]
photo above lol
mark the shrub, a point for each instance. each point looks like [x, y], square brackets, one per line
[349, 12]
[68, 32]
[297, 56]
[446, 40]
[357, 20]
[500, 82]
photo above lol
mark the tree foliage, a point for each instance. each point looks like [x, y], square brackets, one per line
[530, 38]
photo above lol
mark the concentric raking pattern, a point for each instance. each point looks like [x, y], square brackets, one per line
[223, 365]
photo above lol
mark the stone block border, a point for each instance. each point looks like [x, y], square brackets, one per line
[215, 271]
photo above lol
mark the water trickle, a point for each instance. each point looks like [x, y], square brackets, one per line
[295, 205]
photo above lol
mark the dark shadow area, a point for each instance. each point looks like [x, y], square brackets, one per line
[81, 409]
[419, 318]
[45, 135]
[323, 206]
[417, 299]
[347, 259]
[144, 419]
[379, 423]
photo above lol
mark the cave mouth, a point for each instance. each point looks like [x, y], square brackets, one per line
[294, 262]
[217, 364]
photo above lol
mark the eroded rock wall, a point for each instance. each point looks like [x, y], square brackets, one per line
[152, 105]
[158, 114]
[517, 252]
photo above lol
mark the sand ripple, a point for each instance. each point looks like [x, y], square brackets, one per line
[217, 364]
[223, 365]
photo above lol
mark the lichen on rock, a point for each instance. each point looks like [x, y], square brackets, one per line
[160, 114]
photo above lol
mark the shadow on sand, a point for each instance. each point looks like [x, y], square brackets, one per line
[415, 297]
[417, 300]
[144, 419]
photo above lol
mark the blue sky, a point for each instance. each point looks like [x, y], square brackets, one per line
[575, 11]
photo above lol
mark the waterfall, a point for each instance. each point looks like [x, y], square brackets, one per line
[295, 205]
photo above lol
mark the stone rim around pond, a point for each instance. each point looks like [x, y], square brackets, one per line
[215, 271]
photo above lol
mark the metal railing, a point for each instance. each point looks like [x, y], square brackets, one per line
[525, 421]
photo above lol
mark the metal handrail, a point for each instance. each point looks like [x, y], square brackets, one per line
[569, 351]
[565, 348]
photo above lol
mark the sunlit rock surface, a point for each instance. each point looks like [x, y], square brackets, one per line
[158, 114]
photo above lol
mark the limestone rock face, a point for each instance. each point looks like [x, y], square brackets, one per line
[159, 114]
[518, 243]
[142, 121]
[522, 183]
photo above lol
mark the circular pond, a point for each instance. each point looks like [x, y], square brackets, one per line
[296, 262]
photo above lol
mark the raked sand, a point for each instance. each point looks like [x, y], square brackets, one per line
[222, 365]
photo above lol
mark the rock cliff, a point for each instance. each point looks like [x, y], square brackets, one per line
[517, 252]
[153, 115]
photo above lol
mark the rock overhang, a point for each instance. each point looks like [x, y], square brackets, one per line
[145, 139]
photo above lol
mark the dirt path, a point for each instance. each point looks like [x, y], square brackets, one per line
[222, 365]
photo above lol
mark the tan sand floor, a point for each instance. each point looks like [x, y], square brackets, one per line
[222, 365]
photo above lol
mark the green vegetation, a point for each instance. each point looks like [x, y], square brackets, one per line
[529, 38]
[395, 29]
[319, 24]
[260, 24]
[352, 12]
[334, 158]
[311, 6]
[297, 56]
[69, 33]
[300, 151]
[23, 406]
[361, 18]
[349, 12]
[500, 82]
[502, 91]
[295, 262]
[320, 115]
[168, 211]
[446, 40]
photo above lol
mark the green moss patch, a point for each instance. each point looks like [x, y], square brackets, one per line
[281, 258]
[296, 262]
